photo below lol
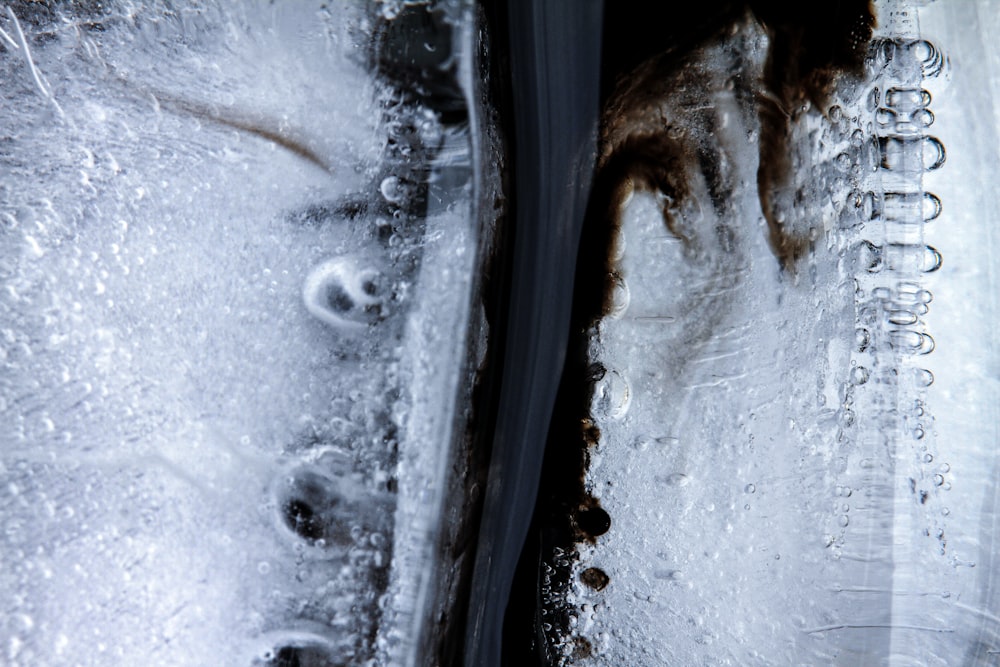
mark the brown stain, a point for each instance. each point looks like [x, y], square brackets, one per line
[582, 648]
[808, 51]
[591, 521]
[652, 163]
[590, 432]
[655, 164]
[258, 129]
[595, 578]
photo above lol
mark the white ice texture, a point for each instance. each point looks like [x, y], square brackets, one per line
[205, 359]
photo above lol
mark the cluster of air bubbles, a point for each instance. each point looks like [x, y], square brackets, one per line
[892, 261]
[325, 513]
[674, 479]
[905, 258]
[862, 339]
[907, 208]
[873, 99]
[933, 61]
[906, 152]
[644, 442]
[345, 295]
[886, 54]
[396, 190]
[908, 341]
[903, 153]
[919, 418]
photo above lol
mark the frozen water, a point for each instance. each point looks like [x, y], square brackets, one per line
[217, 326]
[799, 467]
[343, 295]
[238, 340]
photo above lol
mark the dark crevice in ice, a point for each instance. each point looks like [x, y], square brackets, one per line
[554, 56]
[494, 294]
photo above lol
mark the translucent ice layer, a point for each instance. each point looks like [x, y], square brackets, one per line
[794, 462]
[237, 270]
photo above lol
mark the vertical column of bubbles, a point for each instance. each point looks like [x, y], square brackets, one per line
[894, 297]
[886, 422]
[897, 260]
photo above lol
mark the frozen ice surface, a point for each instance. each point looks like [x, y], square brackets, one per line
[800, 468]
[216, 332]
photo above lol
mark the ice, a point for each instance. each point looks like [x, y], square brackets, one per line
[241, 267]
[798, 465]
[343, 295]
[218, 322]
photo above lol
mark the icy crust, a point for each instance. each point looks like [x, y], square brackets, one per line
[747, 488]
[207, 280]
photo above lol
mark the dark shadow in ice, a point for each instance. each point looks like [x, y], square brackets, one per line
[554, 50]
